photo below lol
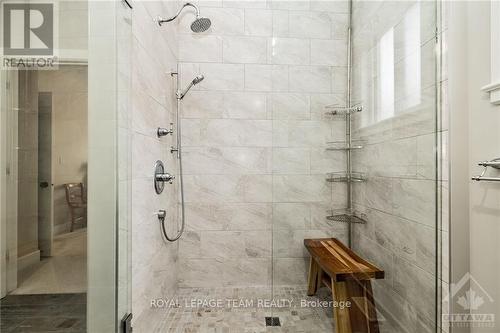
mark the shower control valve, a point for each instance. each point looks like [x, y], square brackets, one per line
[160, 177]
[164, 131]
[164, 177]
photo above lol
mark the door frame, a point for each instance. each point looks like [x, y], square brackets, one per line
[8, 167]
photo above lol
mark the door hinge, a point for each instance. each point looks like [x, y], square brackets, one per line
[126, 323]
[7, 255]
[7, 85]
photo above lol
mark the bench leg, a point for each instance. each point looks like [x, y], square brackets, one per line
[341, 315]
[361, 316]
[312, 281]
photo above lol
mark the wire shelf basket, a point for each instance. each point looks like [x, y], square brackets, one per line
[346, 216]
[344, 177]
[336, 110]
[342, 145]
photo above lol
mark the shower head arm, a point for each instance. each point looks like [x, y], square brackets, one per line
[187, 4]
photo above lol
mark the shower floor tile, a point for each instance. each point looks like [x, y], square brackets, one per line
[251, 318]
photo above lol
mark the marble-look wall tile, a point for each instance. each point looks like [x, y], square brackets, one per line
[153, 53]
[226, 132]
[216, 105]
[290, 271]
[291, 161]
[313, 79]
[266, 77]
[415, 200]
[300, 188]
[235, 244]
[226, 160]
[290, 106]
[258, 22]
[195, 49]
[416, 286]
[228, 188]
[329, 52]
[289, 51]
[309, 24]
[228, 216]
[303, 133]
[244, 50]
[324, 161]
[290, 243]
[291, 216]
[254, 133]
[222, 76]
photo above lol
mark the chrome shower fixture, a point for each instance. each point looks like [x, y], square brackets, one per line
[196, 80]
[200, 24]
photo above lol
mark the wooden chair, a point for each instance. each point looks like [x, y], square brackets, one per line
[76, 197]
[349, 277]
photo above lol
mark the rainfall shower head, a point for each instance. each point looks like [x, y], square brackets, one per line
[200, 24]
[196, 80]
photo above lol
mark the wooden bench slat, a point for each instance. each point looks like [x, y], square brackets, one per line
[340, 262]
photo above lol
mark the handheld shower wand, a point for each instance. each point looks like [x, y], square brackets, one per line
[180, 94]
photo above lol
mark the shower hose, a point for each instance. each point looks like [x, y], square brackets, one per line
[181, 182]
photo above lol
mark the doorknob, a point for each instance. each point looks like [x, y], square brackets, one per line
[44, 184]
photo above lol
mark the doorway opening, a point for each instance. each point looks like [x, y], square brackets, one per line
[47, 197]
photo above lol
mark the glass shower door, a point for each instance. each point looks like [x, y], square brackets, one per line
[395, 79]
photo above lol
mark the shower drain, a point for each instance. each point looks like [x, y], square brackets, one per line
[273, 321]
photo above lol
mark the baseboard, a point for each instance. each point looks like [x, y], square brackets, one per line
[28, 260]
[61, 228]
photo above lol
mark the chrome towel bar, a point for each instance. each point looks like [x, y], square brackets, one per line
[495, 163]
[488, 179]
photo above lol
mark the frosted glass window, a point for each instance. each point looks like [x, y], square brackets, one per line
[386, 76]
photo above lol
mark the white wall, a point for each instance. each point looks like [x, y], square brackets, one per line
[484, 144]
[474, 137]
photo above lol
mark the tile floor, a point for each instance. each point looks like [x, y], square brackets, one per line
[227, 317]
[232, 316]
[64, 272]
[61, 313]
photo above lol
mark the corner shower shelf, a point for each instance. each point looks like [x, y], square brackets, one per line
[346, 216]
[343, 177]
[335, 110]
[342, 145]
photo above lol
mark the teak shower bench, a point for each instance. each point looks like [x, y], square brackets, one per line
[348, 276]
